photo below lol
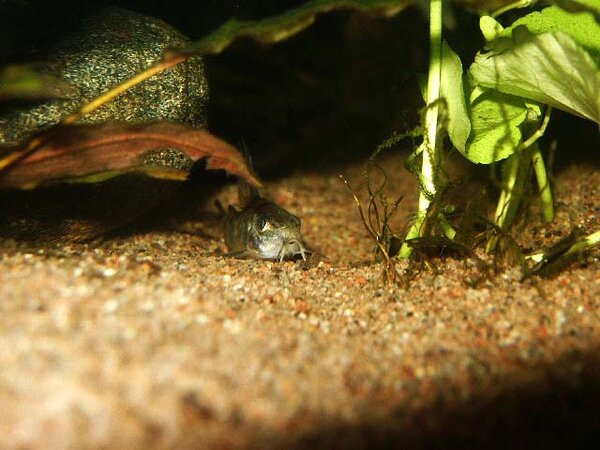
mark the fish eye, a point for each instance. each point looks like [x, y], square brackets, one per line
[262, 224]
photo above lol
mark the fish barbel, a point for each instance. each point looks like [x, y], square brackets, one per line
[261, 229]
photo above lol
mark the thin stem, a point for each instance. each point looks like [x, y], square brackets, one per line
[364, 220]
[430, 154]
[539, 132]
[513, 179]
[447, 227]
[508, 197]
[515, 5]
[543, 184]
[166, 62]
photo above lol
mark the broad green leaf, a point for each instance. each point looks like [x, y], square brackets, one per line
[577, 6]
[582, 26]
[459, 125]
[549, 68]
[283, 26]
[495, 127]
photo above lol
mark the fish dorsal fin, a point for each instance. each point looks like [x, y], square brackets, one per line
[246, 192]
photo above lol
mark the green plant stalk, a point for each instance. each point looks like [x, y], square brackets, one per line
[543, 184]
[446, 227]
[511, 191]
[514, 180]
[513, 185]
[429, 149]
[511, 6]
[577, 248]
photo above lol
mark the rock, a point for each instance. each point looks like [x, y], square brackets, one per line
[103, 50]
[106, 49]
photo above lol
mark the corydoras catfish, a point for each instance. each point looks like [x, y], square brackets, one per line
[260, 228]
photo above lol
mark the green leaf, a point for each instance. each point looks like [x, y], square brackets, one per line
[459, 125]
[490, 28]
[278, 28]
[549, 68]
[576, 6]
[582, 26]
[495, 120]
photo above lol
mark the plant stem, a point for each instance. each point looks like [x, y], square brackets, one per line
[169, 60]
[447, 227]
[513, 179]
[539, 132]
[579, 246]
[513, 182]
[429, 149]
[515, 5]
[543, 183]
[510, 195]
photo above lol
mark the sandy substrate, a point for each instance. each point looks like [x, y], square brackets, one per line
[143, 341]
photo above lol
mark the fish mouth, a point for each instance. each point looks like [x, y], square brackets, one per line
[292, 248]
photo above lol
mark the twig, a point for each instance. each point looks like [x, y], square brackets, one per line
[390, 270]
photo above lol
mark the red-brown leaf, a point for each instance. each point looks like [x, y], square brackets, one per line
[70, 153]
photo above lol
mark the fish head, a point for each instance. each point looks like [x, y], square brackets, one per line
[274, 233]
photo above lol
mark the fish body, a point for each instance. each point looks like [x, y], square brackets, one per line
[261, 229]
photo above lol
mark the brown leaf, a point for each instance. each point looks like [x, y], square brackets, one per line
[89, 153]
